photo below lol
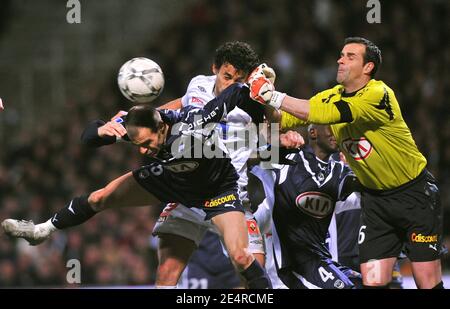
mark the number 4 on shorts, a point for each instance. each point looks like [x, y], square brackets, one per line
[325, 275]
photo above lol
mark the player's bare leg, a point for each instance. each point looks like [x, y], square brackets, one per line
[174, 253]
[427, 275]
[377, 273]
[233, 228]
[124, 191]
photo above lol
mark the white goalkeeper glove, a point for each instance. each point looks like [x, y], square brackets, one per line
[263, 70]
[263, 91]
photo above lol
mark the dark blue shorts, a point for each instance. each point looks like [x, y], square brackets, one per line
[320, 273]
[169, 188]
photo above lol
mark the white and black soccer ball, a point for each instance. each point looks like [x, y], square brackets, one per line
[141, 80]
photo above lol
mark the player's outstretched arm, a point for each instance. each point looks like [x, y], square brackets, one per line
[215, 110]
[98, 133]
[263, 91]
[173, 105]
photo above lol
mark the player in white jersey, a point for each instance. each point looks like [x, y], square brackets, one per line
[179, 228]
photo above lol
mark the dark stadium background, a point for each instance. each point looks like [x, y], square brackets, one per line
[55, 77]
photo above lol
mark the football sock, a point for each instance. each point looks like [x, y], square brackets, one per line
[439, 286]
[256, 277]
[77, 212]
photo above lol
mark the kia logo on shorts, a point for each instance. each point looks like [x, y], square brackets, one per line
[315, 204]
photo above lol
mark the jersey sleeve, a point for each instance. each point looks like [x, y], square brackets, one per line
[261, 186]
[371, 104]
[193, 93]
[289, 121]
[374, 105]
[90, 136]
[185, 99]
[215, 110]
[255, 111]
[348, 183]
[327, 107]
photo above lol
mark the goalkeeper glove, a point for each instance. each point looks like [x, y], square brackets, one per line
[263, 70]
[261, 86]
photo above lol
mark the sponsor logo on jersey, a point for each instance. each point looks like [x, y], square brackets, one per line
[256, 241]
[423, 238]
[166, 212]
[182, 167]
[144, 174]
[252, 227]
[161, 219]
[315, 204]
[197, 100]
[359, 148]
[155, 168]
[221, 200]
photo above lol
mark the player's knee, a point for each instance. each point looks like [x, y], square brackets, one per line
[168, 273]
[261, 258]
[96, 200]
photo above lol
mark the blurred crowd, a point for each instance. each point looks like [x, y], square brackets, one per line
[41, 168]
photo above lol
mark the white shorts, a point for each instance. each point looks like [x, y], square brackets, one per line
[177, 219]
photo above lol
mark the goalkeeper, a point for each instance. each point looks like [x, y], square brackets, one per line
[400, 203]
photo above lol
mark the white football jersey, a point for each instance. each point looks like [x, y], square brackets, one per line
[199, 92]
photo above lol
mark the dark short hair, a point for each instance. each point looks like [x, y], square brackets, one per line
[373, 53]
[239, 54]
[143, 116]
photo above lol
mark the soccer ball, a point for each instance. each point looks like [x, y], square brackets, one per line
[141, 80]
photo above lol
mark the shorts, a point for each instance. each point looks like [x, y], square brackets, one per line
[409, 216]
[191, 223]
[201, 189]
[161, 183]
[319, 273]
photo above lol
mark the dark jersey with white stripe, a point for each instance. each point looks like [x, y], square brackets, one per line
[305, 196]
[343, 231]
[195, 177]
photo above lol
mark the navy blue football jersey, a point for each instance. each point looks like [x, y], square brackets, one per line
[305, 197]
[178, 164]
[344, 230]
[301, 199]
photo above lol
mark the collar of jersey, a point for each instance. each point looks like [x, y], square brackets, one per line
[351, 94]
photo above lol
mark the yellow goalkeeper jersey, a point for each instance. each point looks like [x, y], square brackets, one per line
[370, 130]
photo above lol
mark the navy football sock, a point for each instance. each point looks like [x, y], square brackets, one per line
[256, 277]
[439, 286]
[77, 212]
